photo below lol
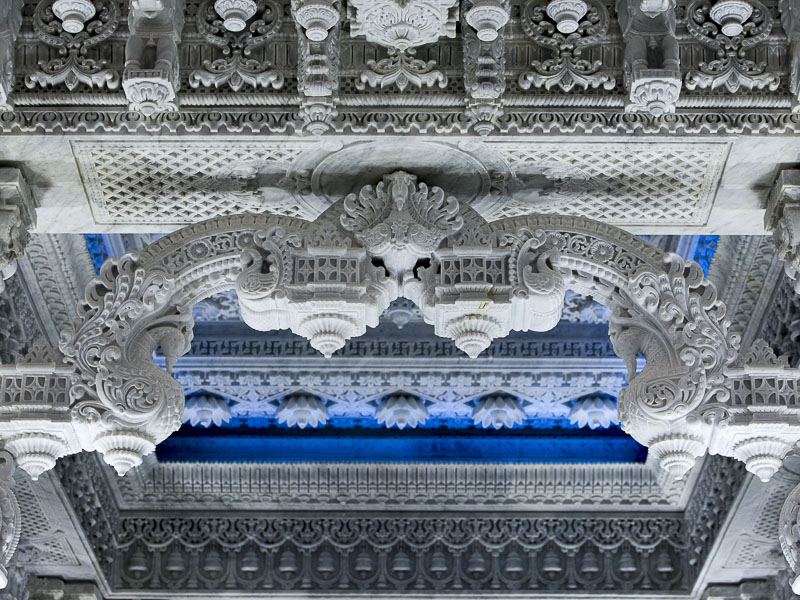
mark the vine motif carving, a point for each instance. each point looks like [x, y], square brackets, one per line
[236, 68]
[401, 26]
[731, 69]
[73, 66]
[567, 69]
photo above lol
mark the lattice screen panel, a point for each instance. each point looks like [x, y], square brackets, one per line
[640, 183]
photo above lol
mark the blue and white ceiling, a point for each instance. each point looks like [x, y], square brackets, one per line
[399, 392]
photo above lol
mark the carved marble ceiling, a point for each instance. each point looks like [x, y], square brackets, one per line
[578, 439]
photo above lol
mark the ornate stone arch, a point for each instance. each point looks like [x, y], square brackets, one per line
[331, 279]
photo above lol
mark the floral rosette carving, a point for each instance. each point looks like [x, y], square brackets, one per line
[567, 69]
[236, 68]
[72, 66]
[731, 69]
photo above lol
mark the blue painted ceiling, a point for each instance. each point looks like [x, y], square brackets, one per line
[253, 434]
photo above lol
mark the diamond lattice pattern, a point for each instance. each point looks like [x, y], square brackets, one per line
[641, 183]
[179, 183]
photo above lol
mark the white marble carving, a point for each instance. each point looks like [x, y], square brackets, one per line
[17, 218]
[235, 68]
[401, 411]
[316, 17]
[652, 60]
[790, 21]
[579, 25]
[401, 26]
[10, 21]
[487, 17]
[302, 411]
[10, 526]
[497, 412]
[73, 13]
[594, 412]
[567, 14]
[328, 283]
[205, 410]
[731, 15]
[733, 68]
[235, 13]
[758, 425]
[401, 220]
[74, 65]
[782, 217]
[151, 78]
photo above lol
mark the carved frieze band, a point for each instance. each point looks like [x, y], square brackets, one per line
[518, 554]
[249, 49]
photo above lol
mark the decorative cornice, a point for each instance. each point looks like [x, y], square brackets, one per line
[391, 121]
[401, 486]
[444, 549]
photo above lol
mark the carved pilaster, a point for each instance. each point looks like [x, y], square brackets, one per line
[790, 20]
[317, 67]
[782, 218]
[10, 21]
[151, 77]
[652, 61]
[482, 25]
[17, 217]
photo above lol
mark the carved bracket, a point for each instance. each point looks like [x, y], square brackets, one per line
[17, 218]
[151, 78]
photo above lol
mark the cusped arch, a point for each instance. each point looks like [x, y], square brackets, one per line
[318, 279]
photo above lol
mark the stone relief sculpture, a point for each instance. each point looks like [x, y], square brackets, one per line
[482, 24]
[73, 28]
[318, 63]
[9, 516]
[151, 76]
[730, 28]
[790, 21]
[237, 37]
[566, 28]
[10, 21]
[17, 218]
[385, 22]
[653, 87]
[330, 279]
[320, 280]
